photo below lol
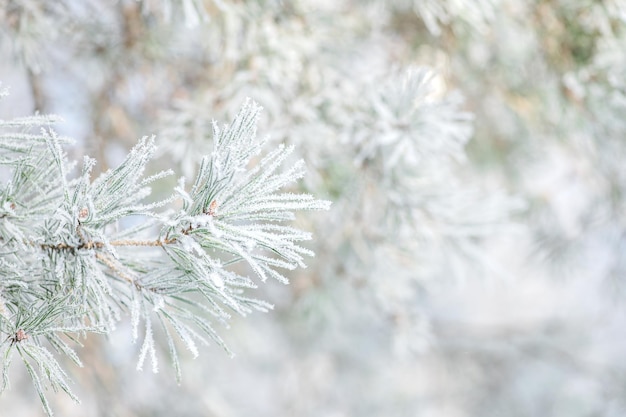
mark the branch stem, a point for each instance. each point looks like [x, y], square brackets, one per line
[99, 245]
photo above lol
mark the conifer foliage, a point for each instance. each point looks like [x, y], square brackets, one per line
[79, 255]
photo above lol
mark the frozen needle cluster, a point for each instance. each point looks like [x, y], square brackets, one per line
[69, 265]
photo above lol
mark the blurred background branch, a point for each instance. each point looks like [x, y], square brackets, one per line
[473, 262]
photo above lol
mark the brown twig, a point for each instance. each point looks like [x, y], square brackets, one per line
[111, 264]
[99, 245]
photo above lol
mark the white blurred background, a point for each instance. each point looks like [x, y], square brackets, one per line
[473, 262]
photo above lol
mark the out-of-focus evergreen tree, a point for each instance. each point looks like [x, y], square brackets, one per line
[473, 259]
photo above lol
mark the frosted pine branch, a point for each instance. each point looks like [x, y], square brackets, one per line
[67, 270]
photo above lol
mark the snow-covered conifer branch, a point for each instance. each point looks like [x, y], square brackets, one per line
[67, 270]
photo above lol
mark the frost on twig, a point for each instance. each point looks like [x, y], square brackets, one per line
[67, 270]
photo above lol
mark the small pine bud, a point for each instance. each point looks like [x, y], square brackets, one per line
[83, 213]
[20, 335]
[212, 208]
